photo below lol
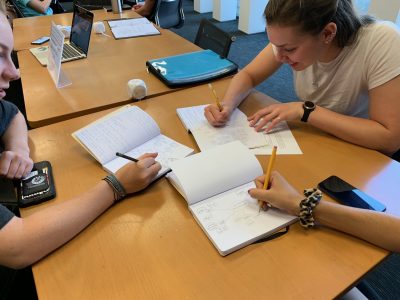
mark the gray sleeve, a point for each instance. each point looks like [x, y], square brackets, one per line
[5, 216]
[7, 113]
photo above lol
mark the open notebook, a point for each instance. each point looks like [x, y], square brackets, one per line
[237, 128]
[215, 184]
[133, 132]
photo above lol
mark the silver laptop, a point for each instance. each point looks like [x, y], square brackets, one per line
[78, 45]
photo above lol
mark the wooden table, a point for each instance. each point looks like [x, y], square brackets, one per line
[150, 247]
[98, 82]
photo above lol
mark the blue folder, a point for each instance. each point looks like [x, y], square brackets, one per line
[191, 68]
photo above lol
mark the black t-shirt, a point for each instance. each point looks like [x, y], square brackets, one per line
[7, 113]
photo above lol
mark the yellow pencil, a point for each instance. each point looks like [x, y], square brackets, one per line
[215, 96]
[268, 172]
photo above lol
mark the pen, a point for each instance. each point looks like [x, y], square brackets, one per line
[268, 173]
[126, 157]
[215, 96]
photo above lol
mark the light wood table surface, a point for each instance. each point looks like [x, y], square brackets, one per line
[150, 247]
[99, 81]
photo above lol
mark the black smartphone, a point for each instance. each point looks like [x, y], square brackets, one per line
[347, 194]
[41, 40]
[37, 186]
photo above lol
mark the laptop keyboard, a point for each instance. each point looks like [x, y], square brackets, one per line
[70, 52]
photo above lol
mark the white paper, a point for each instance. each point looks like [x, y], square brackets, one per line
[215, 171]
[118, 132]
[208, 136]
[126, 28]
[168, 151]
[232, 220]
[54, 56]
[260, 143]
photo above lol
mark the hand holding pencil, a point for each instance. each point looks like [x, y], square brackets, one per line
[136, 176]
[217, 114]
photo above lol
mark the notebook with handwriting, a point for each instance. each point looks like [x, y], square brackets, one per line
[133, 132]
[237, 128]
[208, 136]
[215, 183]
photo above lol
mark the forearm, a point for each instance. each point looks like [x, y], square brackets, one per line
[258, 70]
[39, 6]
[238, 89]
[16, 136]
[375, 227]
[39, 234]
[364, 132]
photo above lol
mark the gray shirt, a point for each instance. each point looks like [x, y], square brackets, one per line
[7, 113]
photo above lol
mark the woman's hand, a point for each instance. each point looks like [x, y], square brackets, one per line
[136, 176]
[15, 164]
[275, 113]
[216, 117]
[280, 195]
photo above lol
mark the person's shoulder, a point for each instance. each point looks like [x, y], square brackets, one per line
[382, 29]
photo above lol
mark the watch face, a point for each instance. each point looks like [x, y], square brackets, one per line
[309, 105]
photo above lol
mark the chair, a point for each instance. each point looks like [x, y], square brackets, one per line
[168, 14]
[209, 36]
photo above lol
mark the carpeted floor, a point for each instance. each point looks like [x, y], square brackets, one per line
[385, 278]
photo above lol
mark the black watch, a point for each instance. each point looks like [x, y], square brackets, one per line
[308, 107]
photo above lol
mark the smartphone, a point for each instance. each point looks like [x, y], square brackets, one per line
[41, 40]
[347, 194]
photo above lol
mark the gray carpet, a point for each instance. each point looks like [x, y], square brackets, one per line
[384, 281]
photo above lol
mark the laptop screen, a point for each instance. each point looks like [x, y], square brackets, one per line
[81, 28]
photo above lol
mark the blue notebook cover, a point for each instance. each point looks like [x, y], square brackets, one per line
[190, 68]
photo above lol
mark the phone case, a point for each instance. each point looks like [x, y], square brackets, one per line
[38, 186]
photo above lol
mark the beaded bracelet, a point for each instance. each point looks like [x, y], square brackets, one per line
[313, 196]
[118, 189]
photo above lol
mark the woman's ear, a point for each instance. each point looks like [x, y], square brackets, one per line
[329, 32]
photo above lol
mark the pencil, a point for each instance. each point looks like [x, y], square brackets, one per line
[268, 172]
[215, 96]
[126, 157]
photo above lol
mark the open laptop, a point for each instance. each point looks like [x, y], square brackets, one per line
[78, 45]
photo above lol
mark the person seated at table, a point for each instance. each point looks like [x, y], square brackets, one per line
[346, 73]
[362, 223]
[145, 9]
[24, 241]
[34, 8]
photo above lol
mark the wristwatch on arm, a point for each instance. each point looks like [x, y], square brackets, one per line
[308, 108]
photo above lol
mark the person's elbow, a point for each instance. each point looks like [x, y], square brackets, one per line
[391, 144]
[16, 258]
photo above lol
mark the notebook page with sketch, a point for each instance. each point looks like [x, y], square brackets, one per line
[208, 136]
[215, 183]
[133, 132]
